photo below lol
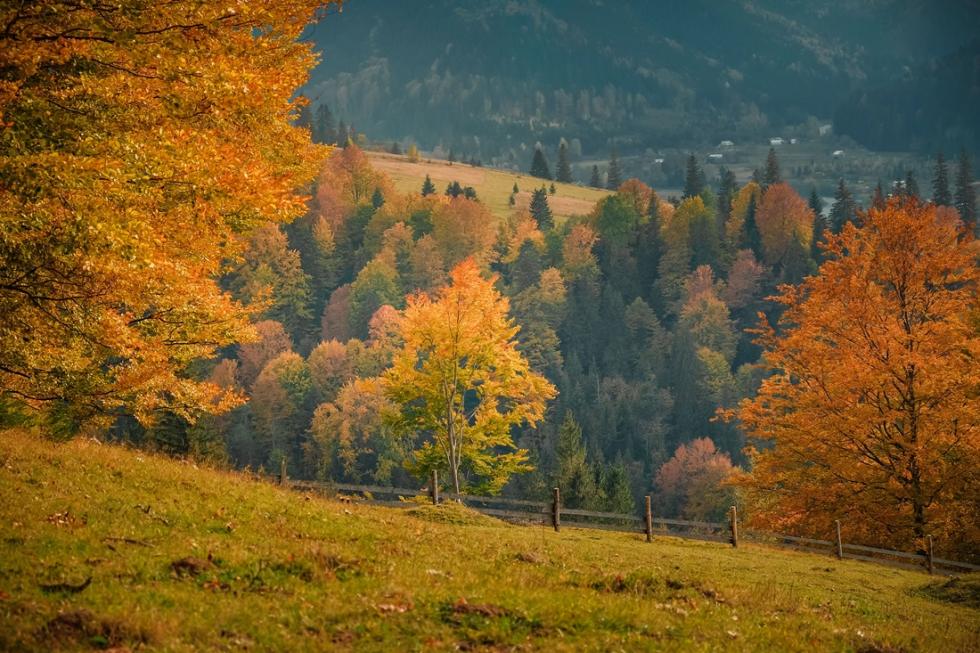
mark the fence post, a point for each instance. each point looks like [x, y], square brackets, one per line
[649, 520]
[840, 544]
[282, 471]
[733, 519]
[556, 510]
[434, 487]
[929, 559]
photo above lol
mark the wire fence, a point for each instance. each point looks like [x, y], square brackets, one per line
[553, 514]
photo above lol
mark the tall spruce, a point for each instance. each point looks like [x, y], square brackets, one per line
[615, 178]
[843, 210]
[428, 188]
[693, 178]
[940, 183]
[726, 191]
[564, 171]
[596, 179]
[752, 239]
[772, 174]
[540, 210]
[539, 165]
[966, 197]
[572, 472]
[911, 186]
[324, 127]
[878, 200]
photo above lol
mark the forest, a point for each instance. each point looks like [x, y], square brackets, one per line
[188, 268]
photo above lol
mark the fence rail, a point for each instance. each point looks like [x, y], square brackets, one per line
[552, 512]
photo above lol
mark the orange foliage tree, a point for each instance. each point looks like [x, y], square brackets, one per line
[692, 484]
[783, 216]
[459, 382]
[871, 414]
[137, 142]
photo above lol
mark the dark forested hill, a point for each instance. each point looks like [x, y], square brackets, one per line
[485, 76]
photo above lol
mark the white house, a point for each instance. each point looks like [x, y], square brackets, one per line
[776, 141]
[838, 154]
[715, 158]
[726, 144]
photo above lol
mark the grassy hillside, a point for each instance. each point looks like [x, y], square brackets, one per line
[493, 187]
[105, 547]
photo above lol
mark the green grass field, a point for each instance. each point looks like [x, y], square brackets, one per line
[103, 547]
[493, 187]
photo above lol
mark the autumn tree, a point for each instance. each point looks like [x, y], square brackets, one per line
[140, 142]
[870, 413]
[272, 340]
[782, 217]
[692, 485]
[460, 384]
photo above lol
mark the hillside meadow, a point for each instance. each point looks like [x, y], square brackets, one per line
[106, 547]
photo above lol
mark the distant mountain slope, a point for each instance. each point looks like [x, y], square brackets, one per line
[486, 76]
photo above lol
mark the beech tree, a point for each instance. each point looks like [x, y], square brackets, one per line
[141, 140]
[782, 217]
[459, 383]
[870, 415]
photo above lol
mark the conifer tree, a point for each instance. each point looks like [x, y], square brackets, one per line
[564, 171]
[377, 199]
[395, 148]
[540, 210]
[878, 198]
[843, 209]
[515, 190]
[966, 198]
[539, 165]
[816, 204]
[753, 239]
[342, 135]
[324, 128]
[940, 184]
[552, 190]
[615, 178]
[694, 178]
[428, 188]
[572, 472]
[596, 179]
[911, 185]
[726, 191]
[772, 174]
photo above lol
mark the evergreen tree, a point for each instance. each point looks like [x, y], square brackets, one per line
[615, 178]
[911, 185]
[564, 171]
[454, 189]
[940, 183]
[819, 236]
[539, 165]
[966, 198]
[552, 190]
[540, 210]
[694, 178]
[452, 156]
[342, 135]
[753, 239]
[324, 128]
[596, 179]
[772, 174]
[515, 190]
[878, 198]
[395, 148]
[377, 199]
[428, 188]
[726, 191]
[573, 475]
[816, 204]
[469, 193]
[843, 210]
[616, 487]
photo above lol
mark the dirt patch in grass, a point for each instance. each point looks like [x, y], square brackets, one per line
[649, 585]
[488, 625]
[962, 590]
[83, 627]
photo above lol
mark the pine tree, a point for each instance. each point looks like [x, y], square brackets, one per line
[342, 135]
[428, 188]
[552, 190]
[324, 128]
[515, 190]
[596, 179]
[816, 204]
[539, 165]
[395, 148]
[694, 178]
[469, 193]
[878, 198]
[564, 171]
[616, 485]
[819, 225]
[377, 199]
[966, 198]
[772, 174]
[540, 210]
[753, 239]
[911, 185]
[940, 184]
[454, 189]
[572, 472]
[726, 191]
[615, 177]
[843, 209]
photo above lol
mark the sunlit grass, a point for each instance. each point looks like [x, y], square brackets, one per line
[182, 558]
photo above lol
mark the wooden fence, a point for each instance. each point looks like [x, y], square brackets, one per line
[553, 514]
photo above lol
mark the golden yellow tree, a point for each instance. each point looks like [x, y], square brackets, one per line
[871, 414]
[139, 143]
[460, 384]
